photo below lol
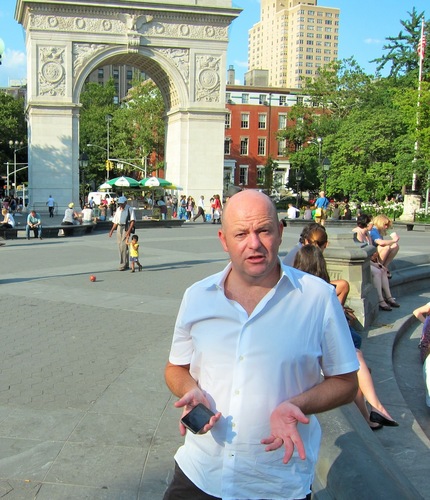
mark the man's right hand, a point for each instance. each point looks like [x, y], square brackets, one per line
[188, 402]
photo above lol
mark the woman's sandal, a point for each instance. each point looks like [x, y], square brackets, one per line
[391, 302]
[383, 306]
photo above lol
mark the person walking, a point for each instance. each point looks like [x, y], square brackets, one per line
[134, 252]
[34, 223]
[321, 206]
[200, 209]
[51, 205]
[123, 223]
[267, 348]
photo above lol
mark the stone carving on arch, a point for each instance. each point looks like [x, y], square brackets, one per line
[208, 83]
[181, 59]
[83, 53]
[52, 72]
[131, 23]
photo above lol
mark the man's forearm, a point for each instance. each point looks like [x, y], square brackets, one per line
[178, 379]
[330, 393]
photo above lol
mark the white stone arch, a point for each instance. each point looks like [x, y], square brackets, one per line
[181, 44]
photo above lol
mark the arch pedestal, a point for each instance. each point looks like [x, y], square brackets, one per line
[181, 47]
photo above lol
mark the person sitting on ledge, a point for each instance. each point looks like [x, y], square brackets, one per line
[70, 216]
[34, 223]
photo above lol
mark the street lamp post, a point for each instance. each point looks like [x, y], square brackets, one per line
[83, 164]
[299, 178]
[108, 119]
[326, 167]
[14, 145]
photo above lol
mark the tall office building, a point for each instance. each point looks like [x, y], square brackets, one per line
[293, 39]
[122, 76]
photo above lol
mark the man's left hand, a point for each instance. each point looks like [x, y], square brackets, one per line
[283, 424]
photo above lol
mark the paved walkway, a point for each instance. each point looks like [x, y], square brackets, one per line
[84, 411]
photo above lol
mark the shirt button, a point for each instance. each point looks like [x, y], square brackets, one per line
[240, 358]
[236, 392]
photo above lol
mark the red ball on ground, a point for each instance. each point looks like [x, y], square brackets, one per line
[92, 278]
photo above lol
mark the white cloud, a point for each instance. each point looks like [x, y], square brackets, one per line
[372, 41]
[14, 66]
[241, 64]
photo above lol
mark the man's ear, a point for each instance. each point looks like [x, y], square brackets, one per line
[222, 239]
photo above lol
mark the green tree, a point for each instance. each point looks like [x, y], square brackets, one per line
[139, 125]
[97, 102]
[13, 127]
[401, 50]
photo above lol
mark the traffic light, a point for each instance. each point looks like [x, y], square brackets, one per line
[109, 165]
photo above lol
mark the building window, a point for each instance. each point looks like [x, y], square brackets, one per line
[260, 175]
[101, 72]
[282, 100]
[300, 100]
[282, 121]
[262, 120]
[227, 143]
[243, 175]
[261, 146]
[244, 143]
[262, 98]
[245, 98]
[115, 73]
[282, 145]
[228, 120]
[129, 74]
[244, 120]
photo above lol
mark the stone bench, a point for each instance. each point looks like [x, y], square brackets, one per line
[328, 223]
[421, 226]
[9, 233]
[66, 230]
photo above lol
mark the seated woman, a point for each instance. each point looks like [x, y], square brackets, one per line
[423, 314]
[317, 236]
[379, 272]
[387, 248]
[70, 216]
[8, 221]
[311, 260]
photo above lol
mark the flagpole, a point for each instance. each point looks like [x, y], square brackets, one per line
[421, 52]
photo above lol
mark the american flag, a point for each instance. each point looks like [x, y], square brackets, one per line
[422, 44]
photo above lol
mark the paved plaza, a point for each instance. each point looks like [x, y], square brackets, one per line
[84, 410]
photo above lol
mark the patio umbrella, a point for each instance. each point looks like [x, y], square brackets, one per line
[105, 185]
[124, 182]
[174, 187]
[153, 182]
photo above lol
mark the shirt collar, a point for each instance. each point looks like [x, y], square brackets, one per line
[288, 274]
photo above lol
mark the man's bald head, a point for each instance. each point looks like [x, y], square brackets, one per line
[246, 199]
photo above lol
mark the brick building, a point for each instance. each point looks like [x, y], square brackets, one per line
[254, 117]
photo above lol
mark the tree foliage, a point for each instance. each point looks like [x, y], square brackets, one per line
[401, 50]
[13, 127]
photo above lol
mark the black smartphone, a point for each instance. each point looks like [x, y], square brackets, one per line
[197, 418]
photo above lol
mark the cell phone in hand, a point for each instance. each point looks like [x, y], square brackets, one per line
[197, 418]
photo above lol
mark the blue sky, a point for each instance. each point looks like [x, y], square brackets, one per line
[361, 35]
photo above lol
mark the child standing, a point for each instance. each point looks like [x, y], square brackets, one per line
[134, 252]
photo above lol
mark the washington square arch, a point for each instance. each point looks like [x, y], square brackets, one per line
[180, 44]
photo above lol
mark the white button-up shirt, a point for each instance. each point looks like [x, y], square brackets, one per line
[120, 216]
[247, 366]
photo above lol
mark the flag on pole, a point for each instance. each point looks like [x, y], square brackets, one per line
[422, 43]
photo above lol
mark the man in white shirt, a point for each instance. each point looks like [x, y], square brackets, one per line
[123, 222]
[267, 348]
[292, 211]
[200, 209]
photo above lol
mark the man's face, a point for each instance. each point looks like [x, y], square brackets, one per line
[252, 234]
